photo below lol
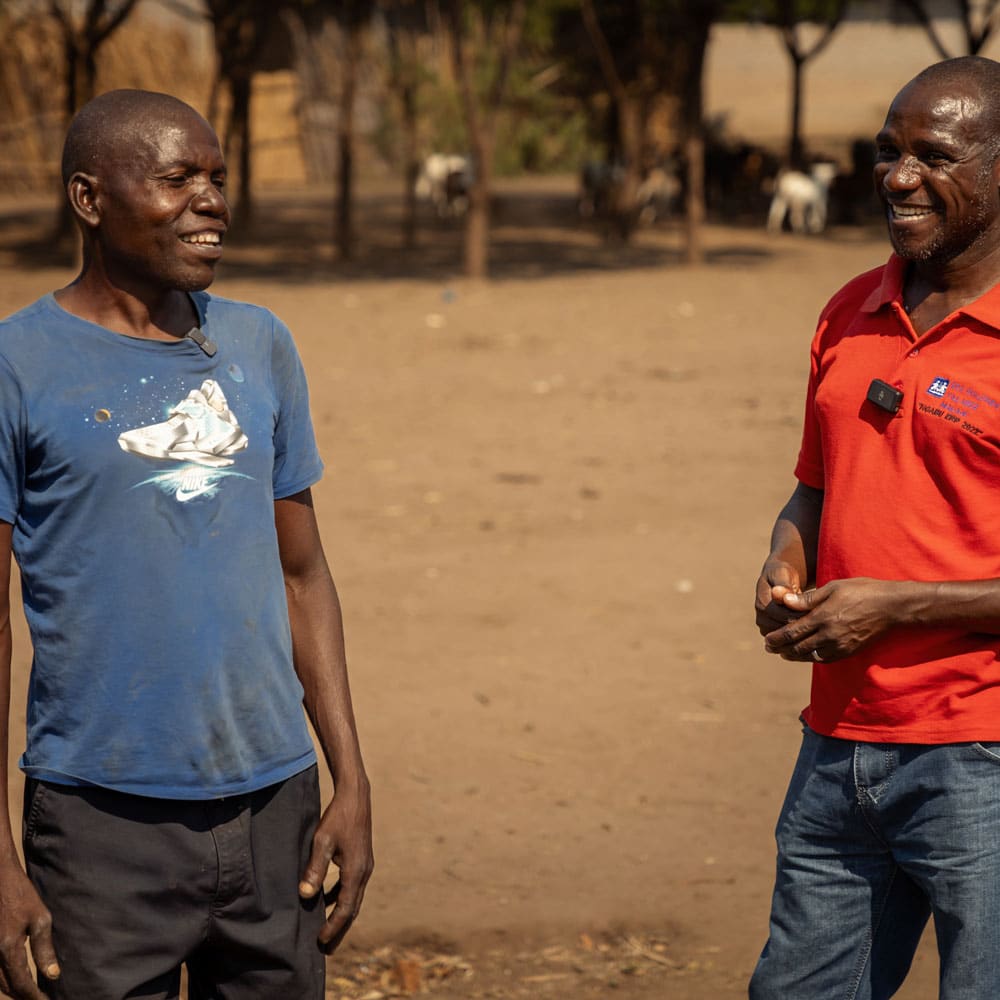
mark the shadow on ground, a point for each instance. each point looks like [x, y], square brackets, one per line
[537, 233]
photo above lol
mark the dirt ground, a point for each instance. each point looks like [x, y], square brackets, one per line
[546, 502]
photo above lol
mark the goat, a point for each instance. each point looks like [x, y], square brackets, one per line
[445, 180]
[802, 198]
[600, 188]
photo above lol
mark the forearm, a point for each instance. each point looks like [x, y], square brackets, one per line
[971, 604]
[320, 661]
[795, 536]
[8, 851]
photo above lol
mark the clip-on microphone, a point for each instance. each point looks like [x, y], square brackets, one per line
[202, 341]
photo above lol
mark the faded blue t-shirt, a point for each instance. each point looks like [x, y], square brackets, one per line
[140, 478]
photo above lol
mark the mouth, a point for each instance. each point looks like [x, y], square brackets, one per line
[905, 213]
[208, 240]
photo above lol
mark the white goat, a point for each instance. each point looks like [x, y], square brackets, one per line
[803, 198]
[445, 180]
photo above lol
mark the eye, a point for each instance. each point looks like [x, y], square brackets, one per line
[936, 158]
[219, 182]
[177, 180]
[884, 151]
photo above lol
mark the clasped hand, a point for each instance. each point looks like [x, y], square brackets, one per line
[829, 623]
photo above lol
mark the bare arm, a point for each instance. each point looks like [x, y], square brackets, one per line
[23, 916]
[836, 620]
[344, 835]
[791, 564]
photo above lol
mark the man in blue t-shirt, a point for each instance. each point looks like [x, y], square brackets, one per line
[156, 459]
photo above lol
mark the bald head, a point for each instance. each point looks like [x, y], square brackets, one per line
[115, 124]
[978, 80]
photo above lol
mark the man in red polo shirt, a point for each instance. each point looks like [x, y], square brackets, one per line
[884, 572]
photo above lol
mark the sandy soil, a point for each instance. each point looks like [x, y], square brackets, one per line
[546, 503]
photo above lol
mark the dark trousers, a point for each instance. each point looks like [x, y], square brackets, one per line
[139, 886]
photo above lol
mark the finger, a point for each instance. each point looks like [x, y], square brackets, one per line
[805, 602]
[20, 983]
[338, 923]
[774, 617]
[779, 592]
[791, 638]
[42, 949]
[348, 894]
[316, 869]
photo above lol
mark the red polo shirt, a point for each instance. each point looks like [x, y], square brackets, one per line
[909, 496]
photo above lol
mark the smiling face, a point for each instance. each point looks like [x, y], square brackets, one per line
[160, 212]
[938, 174]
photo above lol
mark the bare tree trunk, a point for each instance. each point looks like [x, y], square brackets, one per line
[625, 200]
[796, 153]
[788, 27]
[411, 165]
[80, 47]
[477, 220]
[628, 108]
[345, 134]
[480, 122]
[239, 120]
[694, 207]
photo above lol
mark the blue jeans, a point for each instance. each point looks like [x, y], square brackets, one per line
[873, 839]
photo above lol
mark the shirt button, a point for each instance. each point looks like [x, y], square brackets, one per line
[914, 352]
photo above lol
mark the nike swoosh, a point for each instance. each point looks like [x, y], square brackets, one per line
[182, 495]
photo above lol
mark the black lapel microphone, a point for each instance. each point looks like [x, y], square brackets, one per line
[208, 346]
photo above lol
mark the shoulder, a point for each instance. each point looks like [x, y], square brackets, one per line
[218, 309]
[27, 331]
[43, 309]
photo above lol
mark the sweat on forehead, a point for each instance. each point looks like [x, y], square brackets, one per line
[103, 125]
[973, 76]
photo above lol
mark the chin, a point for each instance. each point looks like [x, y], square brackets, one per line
[194, 282]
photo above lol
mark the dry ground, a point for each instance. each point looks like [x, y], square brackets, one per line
[546, 503]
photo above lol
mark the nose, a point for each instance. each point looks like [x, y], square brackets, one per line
[901, 175]
[209, 200]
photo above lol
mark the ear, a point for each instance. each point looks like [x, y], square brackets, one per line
[82, 191]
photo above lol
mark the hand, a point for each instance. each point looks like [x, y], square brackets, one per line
[344, 838]
[834, 621]
[23, 917]
[777, 579]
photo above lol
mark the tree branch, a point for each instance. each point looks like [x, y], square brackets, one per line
[604, 54]
[829, 28]
[916, 7]
[512, 28]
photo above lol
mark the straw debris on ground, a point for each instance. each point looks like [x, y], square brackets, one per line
[591, 966]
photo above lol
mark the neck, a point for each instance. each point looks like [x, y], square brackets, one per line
[953, 283]
[134, 312]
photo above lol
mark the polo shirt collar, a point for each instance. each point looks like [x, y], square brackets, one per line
[986, 308]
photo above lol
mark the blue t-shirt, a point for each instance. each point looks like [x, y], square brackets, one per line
[140, 478]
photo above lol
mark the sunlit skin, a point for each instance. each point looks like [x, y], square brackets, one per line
[155, 218]
[938, 177]
[145, 179]
[938, 180]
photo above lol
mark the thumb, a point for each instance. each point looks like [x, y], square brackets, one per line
[312, 878]
[798, 601]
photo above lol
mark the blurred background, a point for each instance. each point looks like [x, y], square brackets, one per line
[554, 290]
[659, 108]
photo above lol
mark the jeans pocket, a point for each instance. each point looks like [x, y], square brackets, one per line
[990, 750]
[34, 795]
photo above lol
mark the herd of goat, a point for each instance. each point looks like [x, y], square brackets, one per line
[741, 183]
